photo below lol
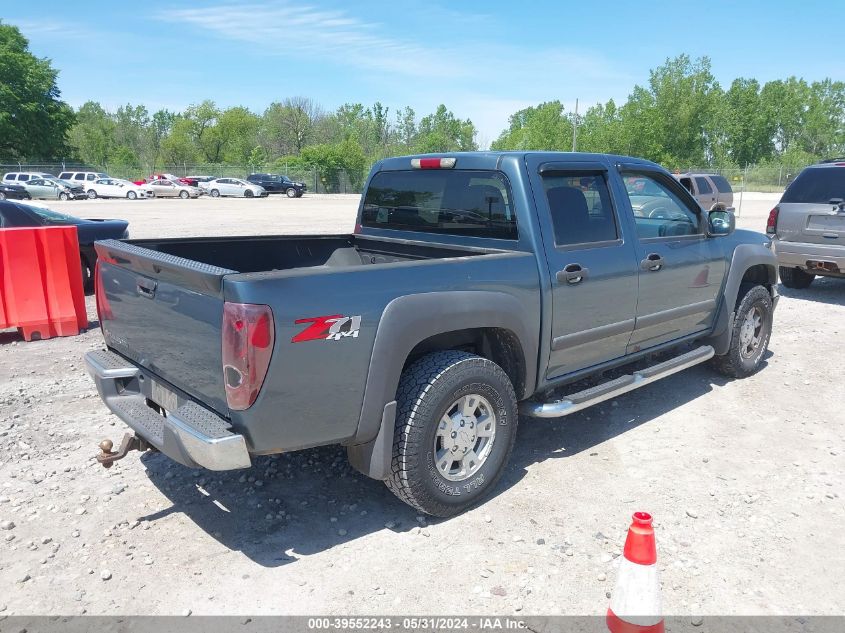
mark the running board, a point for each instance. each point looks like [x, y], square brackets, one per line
[605, 391]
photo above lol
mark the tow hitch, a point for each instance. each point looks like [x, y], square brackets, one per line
[128, 443]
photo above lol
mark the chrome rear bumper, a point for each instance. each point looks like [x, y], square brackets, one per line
[189, 434]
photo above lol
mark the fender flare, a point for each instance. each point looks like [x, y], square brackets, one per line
[406, 322]
[744, 257]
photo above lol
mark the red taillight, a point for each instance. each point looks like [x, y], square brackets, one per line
[772, 222]
[248, 334]
[433, 163]
[358, 229]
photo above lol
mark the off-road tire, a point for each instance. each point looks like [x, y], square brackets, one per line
[795, 277]
[734, 364]
[426, 390]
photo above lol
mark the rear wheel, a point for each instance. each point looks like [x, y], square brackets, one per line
[184, 195]
[291, 192]
[752, 328]
[455, 428]
[215, 193]
[795, 277]
[131, 195]
[92, 194]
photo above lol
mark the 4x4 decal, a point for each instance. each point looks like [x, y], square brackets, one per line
[328, 328]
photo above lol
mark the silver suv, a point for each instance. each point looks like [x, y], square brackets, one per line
[712, 191]
[808, 225]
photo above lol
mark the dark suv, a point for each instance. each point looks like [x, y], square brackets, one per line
[275, 183]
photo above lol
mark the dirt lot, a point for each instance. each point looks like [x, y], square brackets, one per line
[745, 480]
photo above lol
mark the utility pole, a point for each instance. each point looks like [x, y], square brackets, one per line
[575, 127]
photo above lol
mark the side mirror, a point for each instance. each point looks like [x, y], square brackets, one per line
[720, 222]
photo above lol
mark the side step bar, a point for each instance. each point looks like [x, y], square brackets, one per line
[588, 397]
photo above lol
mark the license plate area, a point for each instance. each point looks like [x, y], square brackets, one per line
[164, 397]
[832, 223]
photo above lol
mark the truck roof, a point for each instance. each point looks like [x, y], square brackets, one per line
[492, 159]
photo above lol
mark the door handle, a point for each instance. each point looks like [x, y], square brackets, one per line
[573, 274]
[146, 287]
[653, 262]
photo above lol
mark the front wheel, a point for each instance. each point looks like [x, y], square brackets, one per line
[64, 196]
[752, 329]
[290, 192]
[184, 195]
[795, 278]
[248, 194]
[455, 428]
[131, 195]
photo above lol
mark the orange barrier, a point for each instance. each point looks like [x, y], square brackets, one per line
[41, 290]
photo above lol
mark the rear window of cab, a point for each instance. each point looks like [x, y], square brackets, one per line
[469, 203]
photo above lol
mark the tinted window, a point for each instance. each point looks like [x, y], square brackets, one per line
[79, 177]
[818, 185]
[9, 177]
[703, 185]
[658, 210]
[23, 177]
[721, 184]
[469, 203]
[687, 183]
[580, 208]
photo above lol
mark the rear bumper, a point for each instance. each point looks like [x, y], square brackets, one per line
[798, 254]
[191, 435]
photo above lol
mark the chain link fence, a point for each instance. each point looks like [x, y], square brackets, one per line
[317, 181]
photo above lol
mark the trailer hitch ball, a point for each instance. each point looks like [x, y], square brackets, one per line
[129, 443]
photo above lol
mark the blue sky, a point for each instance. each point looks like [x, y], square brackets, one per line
[483, 60]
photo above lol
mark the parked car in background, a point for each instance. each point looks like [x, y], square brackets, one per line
[274, 183]
[200, 181]
[117, 188]
[20, 177]
[164, 188]
[13, 192]
[711, 190]
[15, 215]
[235, 187]
[81, 177]
[808, 225]
[52, 188]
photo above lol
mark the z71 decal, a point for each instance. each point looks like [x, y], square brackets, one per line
[328, 328]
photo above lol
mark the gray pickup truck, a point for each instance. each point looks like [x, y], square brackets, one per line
[474, 287]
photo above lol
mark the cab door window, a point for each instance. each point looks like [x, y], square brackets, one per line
[658, 210]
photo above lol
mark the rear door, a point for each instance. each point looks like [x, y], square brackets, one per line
[680, 269]
[592, 265]
[810, 209]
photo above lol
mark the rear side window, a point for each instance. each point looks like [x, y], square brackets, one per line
[703, 185]
[580, 208]
[455, 202]
[722, 184]
[817, 185]
[9, 177]
[79, 177]
[23, 177]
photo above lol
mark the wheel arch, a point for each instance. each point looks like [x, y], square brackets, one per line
[751, 263]
[494, 325]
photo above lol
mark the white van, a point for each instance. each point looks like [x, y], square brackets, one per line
[17, 177]
[83, 178]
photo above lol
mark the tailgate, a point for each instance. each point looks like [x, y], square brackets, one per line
[165, 313]
[811, 223]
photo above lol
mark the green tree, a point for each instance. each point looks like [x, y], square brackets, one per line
[442, 132]
[34, 121]
[93, 135]
[537, 127]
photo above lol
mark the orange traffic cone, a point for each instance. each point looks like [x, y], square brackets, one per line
[635, 605]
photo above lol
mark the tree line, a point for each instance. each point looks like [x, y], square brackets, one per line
[682, 117]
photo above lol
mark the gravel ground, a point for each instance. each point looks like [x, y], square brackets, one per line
[744, 478]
